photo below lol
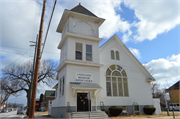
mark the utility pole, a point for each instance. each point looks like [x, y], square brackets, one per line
[32, 77]
[34, 89]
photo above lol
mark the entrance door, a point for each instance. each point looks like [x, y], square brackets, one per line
[82, 102]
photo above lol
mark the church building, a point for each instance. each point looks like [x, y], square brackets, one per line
[111, 73]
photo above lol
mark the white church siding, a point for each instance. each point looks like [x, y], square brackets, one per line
[72, 70]
[139, 89]
[71, 48]
[60, 100]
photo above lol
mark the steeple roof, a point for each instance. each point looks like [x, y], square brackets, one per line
[80, 9]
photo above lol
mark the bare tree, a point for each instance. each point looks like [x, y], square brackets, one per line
[158, 93]
[6, 91]
[17, 78]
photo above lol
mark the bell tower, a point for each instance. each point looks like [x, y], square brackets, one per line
[80, 35]
[79, 69]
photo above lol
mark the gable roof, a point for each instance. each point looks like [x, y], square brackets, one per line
[56, 86]
[49, 93]
[80, 9]
[143, 69]
[175, 86]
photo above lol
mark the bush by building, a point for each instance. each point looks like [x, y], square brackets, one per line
[149, 110]
[115, 111]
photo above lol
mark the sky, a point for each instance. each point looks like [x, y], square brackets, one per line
[150, 29]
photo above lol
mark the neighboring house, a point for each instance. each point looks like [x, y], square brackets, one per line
[48, 96]
[111, 73]
[56, 87]
[174, 93]
[37, 104]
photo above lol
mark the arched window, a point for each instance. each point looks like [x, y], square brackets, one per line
[116, 81]
[117, 55]
[112, 54]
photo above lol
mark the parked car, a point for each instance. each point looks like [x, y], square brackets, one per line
[174, 106]
[0, 110]
[21, 111]
[4, 110]
[9, 110]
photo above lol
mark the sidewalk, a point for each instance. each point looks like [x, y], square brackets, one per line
[166, 117]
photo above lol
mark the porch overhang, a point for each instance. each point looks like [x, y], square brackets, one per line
[82, 86]
[149, 80]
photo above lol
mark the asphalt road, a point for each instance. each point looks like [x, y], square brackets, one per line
[11, 115]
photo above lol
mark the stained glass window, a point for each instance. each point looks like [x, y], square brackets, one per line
[116, 73]
[119, 68]
[112, 67]
[114, 84]
[125, 87]
[108, 86]
[120, 86]
[124, 73]
[108, 72]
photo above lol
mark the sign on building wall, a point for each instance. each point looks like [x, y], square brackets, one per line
[84, 77]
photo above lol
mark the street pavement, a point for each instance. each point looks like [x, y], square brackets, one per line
[11, 115]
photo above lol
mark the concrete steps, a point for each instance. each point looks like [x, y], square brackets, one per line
[85, 115]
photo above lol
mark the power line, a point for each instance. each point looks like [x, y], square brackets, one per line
[14, 53]
[23, 48]
[48, 27]
[19, 57]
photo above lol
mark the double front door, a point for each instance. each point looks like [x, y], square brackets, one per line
[82, 102]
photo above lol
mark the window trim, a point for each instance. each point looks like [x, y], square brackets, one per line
[91, 53]
[79, 51]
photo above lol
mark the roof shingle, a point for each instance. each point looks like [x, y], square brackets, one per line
[80, 9]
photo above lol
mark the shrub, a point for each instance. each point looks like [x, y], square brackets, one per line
[149, 110]
[115, 111]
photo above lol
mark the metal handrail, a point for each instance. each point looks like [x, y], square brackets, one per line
[69, 108]
[103, 106]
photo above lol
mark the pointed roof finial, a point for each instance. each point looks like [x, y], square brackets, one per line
[79, 3]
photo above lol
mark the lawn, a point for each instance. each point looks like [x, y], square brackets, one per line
[146, 116]
[42, 113]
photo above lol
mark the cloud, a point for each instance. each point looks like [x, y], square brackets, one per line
[20, 22]
[166, 70]
[135, 52]
[155, 17]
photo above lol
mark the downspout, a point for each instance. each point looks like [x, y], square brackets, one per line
[96, 98]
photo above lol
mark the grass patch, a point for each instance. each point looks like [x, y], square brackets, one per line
[42, 113]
